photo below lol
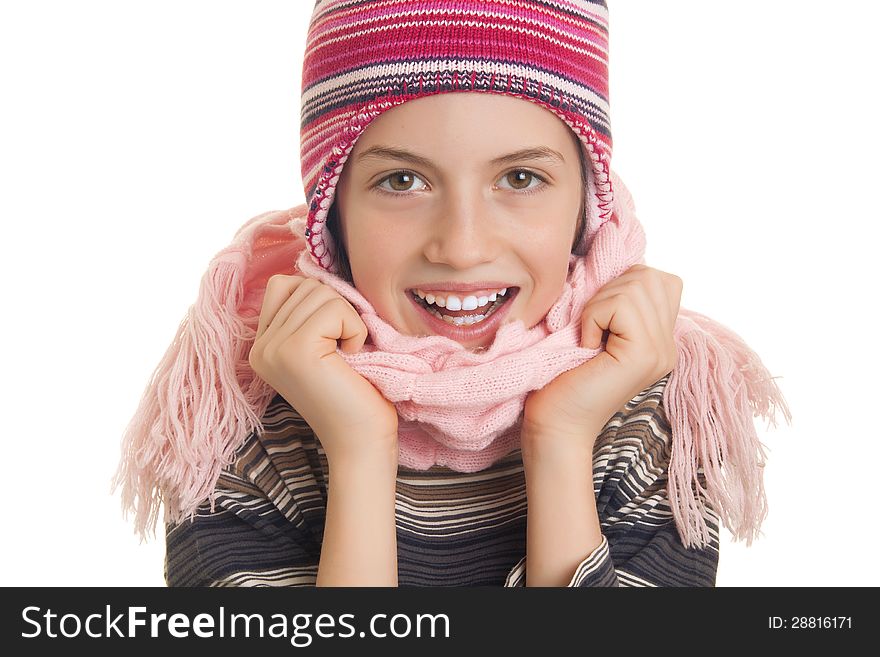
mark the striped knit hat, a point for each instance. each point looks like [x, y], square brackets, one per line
[364, 57]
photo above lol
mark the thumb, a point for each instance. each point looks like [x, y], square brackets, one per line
[592, 333]
[353, 334]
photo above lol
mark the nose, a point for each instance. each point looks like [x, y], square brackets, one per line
[463, 235]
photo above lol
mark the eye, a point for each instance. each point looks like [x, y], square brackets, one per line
[403, 177]
[520, 175]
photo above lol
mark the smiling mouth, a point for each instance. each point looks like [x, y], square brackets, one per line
[465, 317]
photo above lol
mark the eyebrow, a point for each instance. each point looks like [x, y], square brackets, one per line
[394, 153]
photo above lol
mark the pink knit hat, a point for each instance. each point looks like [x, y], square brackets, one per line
[364, 58]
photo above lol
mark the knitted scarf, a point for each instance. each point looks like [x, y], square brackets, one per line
[458, 408]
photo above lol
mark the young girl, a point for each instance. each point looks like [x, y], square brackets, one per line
[451, 366]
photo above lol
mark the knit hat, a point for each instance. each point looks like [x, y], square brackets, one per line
[364, 58]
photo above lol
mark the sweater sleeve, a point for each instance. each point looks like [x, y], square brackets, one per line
[256, 534]
[640, 543]
[240, 543]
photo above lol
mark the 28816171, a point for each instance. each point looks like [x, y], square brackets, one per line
[809, 622]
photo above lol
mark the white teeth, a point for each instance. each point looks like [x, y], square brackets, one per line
[454, 302]
[470, 302]
[458, 321]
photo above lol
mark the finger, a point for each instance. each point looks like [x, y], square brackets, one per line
[334, 320]
[298, 311]
[617, 314]
[649, 294]
[591, 332]
[593, 323]
[354, 331]
[306, 288]
[650, 289]
[278, 290]
[654, 295]
[652, 300]
[650, 297]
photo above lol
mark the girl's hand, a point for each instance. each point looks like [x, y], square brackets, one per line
[301, 321]
[638, 311]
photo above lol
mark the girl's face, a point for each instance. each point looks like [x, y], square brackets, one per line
[459, 213]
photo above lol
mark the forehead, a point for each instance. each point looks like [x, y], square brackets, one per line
[483, 126]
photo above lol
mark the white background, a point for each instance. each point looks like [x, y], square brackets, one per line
[136, 137]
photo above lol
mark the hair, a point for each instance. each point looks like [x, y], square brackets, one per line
[335, 229]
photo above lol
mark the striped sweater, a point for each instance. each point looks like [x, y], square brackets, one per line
[453, 529]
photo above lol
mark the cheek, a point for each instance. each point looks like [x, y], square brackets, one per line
[550, 227]
[375, 259]
[375, 252]
[547, 257]
[547, 252]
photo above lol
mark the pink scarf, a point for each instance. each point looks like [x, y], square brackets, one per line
[457, 408]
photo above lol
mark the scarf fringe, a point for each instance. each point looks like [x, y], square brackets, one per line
[707, 399]
[202, 401]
